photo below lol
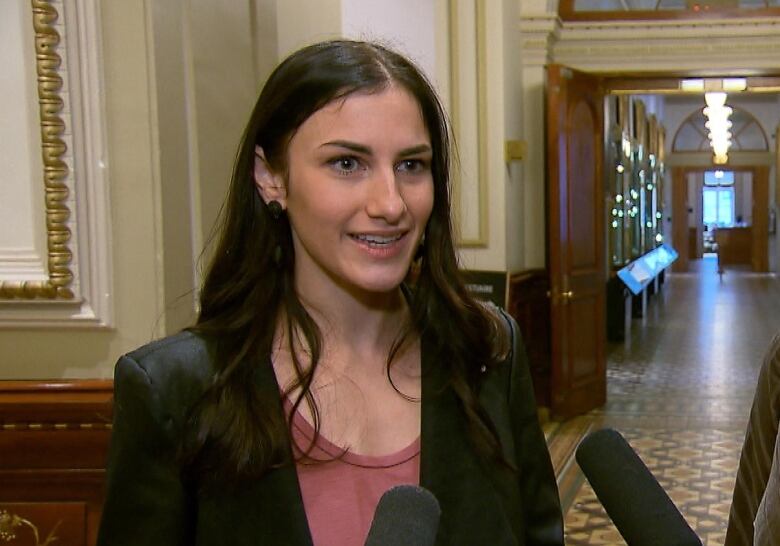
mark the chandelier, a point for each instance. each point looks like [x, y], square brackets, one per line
[718, 124]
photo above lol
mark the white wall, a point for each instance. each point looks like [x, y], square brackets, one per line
[407, 26]
[302, 22]
[29, 354]
[205, 81]
[179, 81]
[507, 197]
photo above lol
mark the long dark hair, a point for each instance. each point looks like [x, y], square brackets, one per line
[238, 432]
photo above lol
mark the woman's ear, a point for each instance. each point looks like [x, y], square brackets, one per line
[269, 185]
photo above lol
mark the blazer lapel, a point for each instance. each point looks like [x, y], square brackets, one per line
[472, 508]
[270, 510]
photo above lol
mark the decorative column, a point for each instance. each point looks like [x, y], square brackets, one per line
[539, 28]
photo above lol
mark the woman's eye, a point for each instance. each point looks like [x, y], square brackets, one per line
[412, 165]
[345, 165]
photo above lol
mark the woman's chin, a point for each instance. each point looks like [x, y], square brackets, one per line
[378, 284]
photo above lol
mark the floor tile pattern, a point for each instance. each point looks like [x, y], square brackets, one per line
[679, 390]
[695, 468]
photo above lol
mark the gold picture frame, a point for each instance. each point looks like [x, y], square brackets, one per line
[58, 285]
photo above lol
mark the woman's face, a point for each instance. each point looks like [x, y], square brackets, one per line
[359, 192]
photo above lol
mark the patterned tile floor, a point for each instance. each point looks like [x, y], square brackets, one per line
[679, 390]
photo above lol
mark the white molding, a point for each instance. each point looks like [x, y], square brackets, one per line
[468, 106]
[25, 263]
[535, 7]
[84, 116]
[728, 45]
[20, 254]
[537, 33]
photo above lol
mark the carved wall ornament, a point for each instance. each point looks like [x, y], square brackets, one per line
[55, 256]
[11, 524]
[55, 170]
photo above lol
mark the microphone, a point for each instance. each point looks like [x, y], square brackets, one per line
[406, 515]
[639, 507]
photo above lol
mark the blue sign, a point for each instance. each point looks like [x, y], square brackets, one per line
[639, 273]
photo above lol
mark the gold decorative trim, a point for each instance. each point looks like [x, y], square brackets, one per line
[55, 170]
[56, 426]
[479, 21]
[11, 523]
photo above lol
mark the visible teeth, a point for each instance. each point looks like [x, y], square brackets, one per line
[376, 239]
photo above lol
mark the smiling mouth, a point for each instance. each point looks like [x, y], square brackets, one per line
[377, 241]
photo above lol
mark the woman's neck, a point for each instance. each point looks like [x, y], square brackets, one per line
[361, 403]
[364, 322]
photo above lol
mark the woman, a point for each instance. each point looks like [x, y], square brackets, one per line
[318, 374]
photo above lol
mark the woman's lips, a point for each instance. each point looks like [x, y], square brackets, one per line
[381, 246]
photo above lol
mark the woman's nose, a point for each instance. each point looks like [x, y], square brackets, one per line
[384, 196]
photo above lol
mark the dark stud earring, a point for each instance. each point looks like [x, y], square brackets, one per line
[275, 209]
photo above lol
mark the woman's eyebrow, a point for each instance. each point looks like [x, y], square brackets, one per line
[366, 150]
[414, 150]
[359, 148]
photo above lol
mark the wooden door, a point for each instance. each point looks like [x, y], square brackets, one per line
[760, 227]
[576, 240]
[680, 228]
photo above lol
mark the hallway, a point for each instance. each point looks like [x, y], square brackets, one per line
[679, 389]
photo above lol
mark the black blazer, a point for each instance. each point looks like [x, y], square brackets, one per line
[148, 504]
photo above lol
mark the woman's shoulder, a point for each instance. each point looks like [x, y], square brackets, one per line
[181, 361]
[506, 334]
[184, 344]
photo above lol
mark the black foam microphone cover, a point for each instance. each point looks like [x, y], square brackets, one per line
[639, 507]
[406, 515]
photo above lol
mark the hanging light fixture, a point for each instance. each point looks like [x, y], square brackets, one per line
[718, 124]
[715, 100]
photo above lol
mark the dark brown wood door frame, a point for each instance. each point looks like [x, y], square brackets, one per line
[576, 240]
[760, 224]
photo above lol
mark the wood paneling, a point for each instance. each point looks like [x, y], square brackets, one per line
[53, 447]
[734, 245]
[530, 306]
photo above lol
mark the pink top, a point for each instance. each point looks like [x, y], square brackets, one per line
[341, 494]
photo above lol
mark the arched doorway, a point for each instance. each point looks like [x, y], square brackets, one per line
[750, 161]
